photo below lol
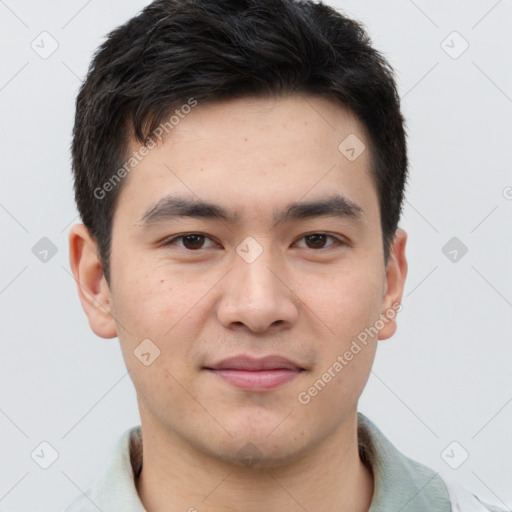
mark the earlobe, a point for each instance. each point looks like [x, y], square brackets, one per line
[92, 286]
[396, 273]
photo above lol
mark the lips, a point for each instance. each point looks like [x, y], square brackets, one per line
[256, 374]
[253, 364]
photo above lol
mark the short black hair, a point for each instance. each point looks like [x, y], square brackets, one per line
[177, 51]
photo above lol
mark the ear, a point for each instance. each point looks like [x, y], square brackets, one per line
[92, 286]
[396, 272]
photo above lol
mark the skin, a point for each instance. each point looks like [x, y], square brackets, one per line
[296, 300]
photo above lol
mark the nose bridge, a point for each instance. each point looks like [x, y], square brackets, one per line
[259, 276]
[255, 294]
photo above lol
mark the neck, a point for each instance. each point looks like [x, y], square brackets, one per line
[330, 477]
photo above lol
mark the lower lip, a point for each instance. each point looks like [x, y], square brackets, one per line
[261, 380]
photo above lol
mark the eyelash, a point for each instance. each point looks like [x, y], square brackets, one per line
[337, 241]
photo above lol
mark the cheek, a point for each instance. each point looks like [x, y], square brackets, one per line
[156, 337]
[148, 297]
[165, 309]
[347, 302]
[141, 305]
[345, 388]
[348, 308]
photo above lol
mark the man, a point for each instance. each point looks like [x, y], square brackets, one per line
[239, 170]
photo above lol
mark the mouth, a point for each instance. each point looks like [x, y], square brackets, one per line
[253, 374]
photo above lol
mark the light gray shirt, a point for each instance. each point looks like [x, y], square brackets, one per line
[400, 483]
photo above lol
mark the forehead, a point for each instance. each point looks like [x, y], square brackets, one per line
[250, 153]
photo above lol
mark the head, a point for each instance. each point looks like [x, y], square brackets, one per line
[282, 124]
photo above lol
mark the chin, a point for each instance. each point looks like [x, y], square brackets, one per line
[262, 449]
[255, 456]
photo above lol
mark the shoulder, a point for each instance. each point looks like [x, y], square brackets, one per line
[114, 488]
[82, 504]
[462, 500]
[402, 483]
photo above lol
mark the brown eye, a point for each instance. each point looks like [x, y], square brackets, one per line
[318, 241]
[191, 241]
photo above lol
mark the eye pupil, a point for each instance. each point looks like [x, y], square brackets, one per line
[197, 241]
[318, 240]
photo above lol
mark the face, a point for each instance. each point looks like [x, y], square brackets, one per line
[256, 275]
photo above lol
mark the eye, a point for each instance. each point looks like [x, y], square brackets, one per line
[195, 241]
[317, 241]
[191, 241]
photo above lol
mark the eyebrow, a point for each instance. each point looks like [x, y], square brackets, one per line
[171, 207]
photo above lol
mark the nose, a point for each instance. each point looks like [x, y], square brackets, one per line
[257, 297]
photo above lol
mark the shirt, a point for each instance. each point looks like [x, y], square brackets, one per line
[400, 483]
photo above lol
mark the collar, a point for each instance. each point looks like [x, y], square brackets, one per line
[400, 484]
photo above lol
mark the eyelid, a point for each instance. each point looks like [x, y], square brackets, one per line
[172, 239]
[338, 241]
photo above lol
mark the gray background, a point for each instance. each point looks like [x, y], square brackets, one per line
[444, 377]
